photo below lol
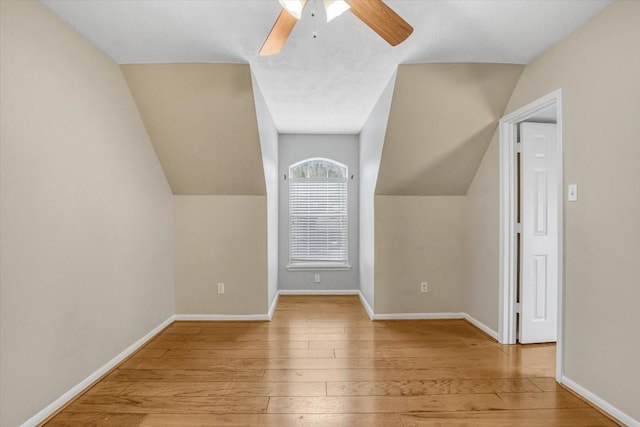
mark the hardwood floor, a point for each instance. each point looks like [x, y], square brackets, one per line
[322, 362]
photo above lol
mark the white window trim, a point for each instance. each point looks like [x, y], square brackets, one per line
[318, 266]
[328, 265]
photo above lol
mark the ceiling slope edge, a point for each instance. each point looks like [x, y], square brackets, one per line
[269, 138]
[372, 136]
[442, 119]
[202, 122]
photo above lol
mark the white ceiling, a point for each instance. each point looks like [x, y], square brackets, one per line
[328, 84]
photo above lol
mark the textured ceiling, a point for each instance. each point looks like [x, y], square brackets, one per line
[441, 121]
[329, 84]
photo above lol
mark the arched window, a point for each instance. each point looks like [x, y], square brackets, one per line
[318, 222]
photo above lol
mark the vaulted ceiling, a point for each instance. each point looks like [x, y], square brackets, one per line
[328, 84]
[198, 106]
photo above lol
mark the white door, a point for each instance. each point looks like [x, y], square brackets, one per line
[539, 235]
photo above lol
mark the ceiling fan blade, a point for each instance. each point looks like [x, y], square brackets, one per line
[279, 34]
[381, 19]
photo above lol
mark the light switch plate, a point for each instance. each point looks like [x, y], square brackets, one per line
[572, 193]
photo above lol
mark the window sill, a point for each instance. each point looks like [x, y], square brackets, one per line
[308, 267]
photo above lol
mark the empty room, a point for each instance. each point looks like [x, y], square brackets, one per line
[319, 213]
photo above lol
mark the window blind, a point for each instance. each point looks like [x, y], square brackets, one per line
[318, 220]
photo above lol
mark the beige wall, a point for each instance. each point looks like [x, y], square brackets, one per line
[441, 121]
[597, 68]
[203, 125]
[86, 242]
[221, 239]
[419, 239]
[482, 240]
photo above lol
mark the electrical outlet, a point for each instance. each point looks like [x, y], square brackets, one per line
[221, 288]
[317, 278]
[572, 193]
[424, 287]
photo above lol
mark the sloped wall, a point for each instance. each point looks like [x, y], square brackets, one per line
[202, 122]
[441, 121]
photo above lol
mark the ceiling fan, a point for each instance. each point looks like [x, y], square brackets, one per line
[377, 15]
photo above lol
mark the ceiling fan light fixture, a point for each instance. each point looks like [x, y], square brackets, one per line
[374, 13]
[335, 8]
[293, 7]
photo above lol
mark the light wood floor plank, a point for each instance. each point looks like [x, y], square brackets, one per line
[309, 389]
[215, 389]
[522, 418]
[546, 384]
[150, 353]
[175, 389]
[108, 388]
[442, 402]
[233, 345]
[486, 370]
[360, 374]
[169, 405]
[427, 355]
[100, 419]
[383, 404]
[165, 363]
[391, 344]
[249, 354]
[182, 375]
[275, 420]
[323, 363]
[274, 330]
[416, 388]
[544, 400]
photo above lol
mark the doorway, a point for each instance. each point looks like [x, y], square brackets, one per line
[531, 218]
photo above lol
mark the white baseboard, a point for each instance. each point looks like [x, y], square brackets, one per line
[366, 306]
[272, 308]
[274, 304]
[600, 403]
[478, 324]
[82, 385]
[318, 292]
[417, 316]
[222, 317]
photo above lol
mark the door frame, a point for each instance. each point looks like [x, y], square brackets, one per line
[508, 129]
